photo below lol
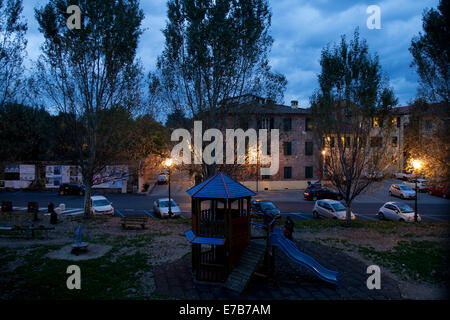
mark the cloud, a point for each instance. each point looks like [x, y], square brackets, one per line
[300, 28]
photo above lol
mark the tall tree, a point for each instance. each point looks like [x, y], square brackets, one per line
[216, 49]
[12, 48]
[431, 53]
[88, 71]
[351, 117]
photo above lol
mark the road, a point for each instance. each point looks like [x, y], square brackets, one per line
[291, 202]
[365, 206]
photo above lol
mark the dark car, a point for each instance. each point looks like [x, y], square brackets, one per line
[439, 191]
[71, 188]
[265, 207]
[321, 193]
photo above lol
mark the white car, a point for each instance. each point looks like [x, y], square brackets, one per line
[161, 208]
[404, 175]
[422, 184]
[101, 205]
[162, 178]
[402, 190]
[330, 209]
[397, 211]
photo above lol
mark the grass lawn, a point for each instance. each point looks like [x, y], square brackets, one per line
[412, 251]
[124, 272]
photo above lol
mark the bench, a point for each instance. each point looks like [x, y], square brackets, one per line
[27, 229]
[138, 221]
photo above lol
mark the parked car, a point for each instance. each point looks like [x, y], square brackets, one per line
[439, 191]
[161, 208]
[402, 190]
[265, 207]
[404, 175]
[373, 175]
[321, 193]
[162, 178]
[330, 209]
[397, 211]
[71, 188]
[422, 184]
[101, 205]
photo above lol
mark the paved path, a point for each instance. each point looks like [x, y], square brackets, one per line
[291, 281]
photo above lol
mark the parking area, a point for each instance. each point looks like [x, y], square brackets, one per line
[290, 202]
[365, 206]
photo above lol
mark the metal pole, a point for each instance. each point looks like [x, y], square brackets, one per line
[415, 205]
[170, 200]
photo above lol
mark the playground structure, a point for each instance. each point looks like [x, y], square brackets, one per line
[80, 241]
[223, 249]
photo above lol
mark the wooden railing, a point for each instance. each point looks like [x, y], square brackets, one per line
[210, 226]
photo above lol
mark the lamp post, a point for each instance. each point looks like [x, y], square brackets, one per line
[417, 164]
[168, 163]
[323, 163]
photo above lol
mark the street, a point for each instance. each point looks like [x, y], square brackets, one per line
[431, 208]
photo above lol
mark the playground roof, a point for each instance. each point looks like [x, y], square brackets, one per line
[220, 186]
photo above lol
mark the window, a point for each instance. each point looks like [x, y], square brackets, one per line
[309, 172]
[265, 177]
[347, 142]
[12, 176]
[375, 122]
[394, 141]
[331, 142]
[308, 148]
[428, 125]
[375, 142]
[399, 122]
[265, 123]
[287, 146]
[287, 124]
[287, 172]
[308, 124]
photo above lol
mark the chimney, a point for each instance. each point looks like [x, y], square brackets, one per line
[294, 104]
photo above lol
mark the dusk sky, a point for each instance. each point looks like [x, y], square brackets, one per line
[301, 28]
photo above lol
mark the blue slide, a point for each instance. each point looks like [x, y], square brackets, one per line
[289, 248]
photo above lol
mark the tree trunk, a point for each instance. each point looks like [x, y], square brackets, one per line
[348, 216]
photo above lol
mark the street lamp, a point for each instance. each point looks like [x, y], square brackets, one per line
[323, 163]
[168, 163]
[417, 164]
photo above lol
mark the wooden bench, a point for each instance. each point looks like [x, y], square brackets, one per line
[29, 230]
[134, 221]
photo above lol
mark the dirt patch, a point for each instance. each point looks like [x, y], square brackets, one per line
[94, 251]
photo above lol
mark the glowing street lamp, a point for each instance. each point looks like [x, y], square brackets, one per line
[168, 163]
[417, 165]
[324, 152]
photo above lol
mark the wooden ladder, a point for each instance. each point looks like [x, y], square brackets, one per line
[246, 265]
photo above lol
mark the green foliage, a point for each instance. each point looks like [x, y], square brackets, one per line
[215, 50]
[26, 133]
[431, 53]
[12, 49]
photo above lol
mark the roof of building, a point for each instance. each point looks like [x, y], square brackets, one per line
[254, 104]
[220, 186]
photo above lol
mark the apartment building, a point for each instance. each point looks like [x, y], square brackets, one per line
[299, 158]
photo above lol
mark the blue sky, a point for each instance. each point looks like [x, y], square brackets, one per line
[301, 28]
